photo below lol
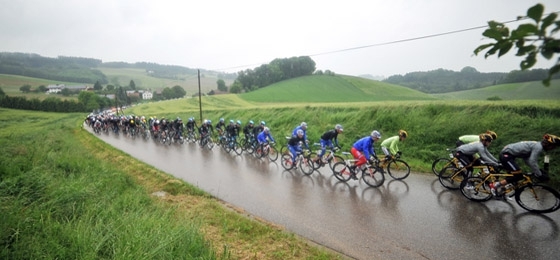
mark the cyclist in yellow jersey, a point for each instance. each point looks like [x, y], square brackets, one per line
[466, 139]
[389, 145]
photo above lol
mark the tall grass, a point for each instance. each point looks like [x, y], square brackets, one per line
[60, 202]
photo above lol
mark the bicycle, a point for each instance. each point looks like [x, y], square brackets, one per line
[441, 163]
[303, 160]
[206, 141]
[531, 196]
[249, 144]
[330, 157]
[191, 136]
[451, 177]
[266, 150]
[372, 175]
[233, 145]
[397, 168]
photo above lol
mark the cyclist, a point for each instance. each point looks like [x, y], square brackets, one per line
[389, 145]
[294, 145]
[231, 131]
[303, 127]
[465, 153]
[248, 130]
[465, 139]
[363, 149]
[327, 140]
[204, 130]
[258, 129]
[191, 125]
[178, 126]
[264, 137]
[529, 151]
[220, 128]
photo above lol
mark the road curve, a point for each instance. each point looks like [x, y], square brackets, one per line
[412, 219]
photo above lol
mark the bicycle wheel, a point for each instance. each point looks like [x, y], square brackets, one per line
[342, 171]
[210, 143]
[475, 189]
[284, 149]
[237, 148]
[439, 164]
[538, 198]
[398, 169]
[335, 159]
[247, 146]
[306, 165]
[272, 154]
[286, 161]
[313, 157]
[451, 178]
[373, 177]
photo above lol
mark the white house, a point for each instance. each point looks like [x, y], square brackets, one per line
[53, 89]
[147, 95]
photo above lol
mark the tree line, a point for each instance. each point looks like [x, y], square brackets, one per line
[275, 71]
[442, 81]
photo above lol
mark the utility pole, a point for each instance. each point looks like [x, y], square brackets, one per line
[199, 98]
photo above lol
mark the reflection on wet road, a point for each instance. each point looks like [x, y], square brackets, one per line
[412, 219]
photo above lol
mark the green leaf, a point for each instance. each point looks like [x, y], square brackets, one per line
[547, 22]
[557, 24]
[536, 12]
[491, 51]
[482, 47]
[504, 48]
[493, 33]
[525, 49]
[524, 30]
[529, 61]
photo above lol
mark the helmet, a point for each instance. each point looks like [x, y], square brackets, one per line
[299, 132]
[551, 139]
[178, 119]
[403, 133]
[266, 129]
[231, 121]
[263, 123]
[238, 122]
[205, 121]
[485, 137]
[493, 134]
[338, 127]
[221, 120]
[303, 124]
[250, 122]
[157, 122]
[190, 119]
[209, 121]
[132, 121]
[375, 134]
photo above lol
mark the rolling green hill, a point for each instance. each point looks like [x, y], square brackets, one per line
[323, 88]
[515, 91]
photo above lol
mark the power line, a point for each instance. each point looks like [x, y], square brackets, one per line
[394, 42]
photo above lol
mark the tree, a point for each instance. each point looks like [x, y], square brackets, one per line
[110, 88]
[221, 85]
[97, 86]
[132, 85]
[529, 39]
[42, 89]
[178, 91]
[2, 93]
[25, 88]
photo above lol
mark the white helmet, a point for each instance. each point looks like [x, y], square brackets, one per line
[375, 134]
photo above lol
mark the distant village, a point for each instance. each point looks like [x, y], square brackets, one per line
[57, 88]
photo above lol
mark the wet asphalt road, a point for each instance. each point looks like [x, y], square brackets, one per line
[412, 219]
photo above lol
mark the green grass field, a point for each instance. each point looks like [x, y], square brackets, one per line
[332, 89]
[518, 91]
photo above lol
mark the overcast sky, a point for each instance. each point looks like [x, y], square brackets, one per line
[229, 35]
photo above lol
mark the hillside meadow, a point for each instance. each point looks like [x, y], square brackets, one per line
[517, 91]
[64, 194]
